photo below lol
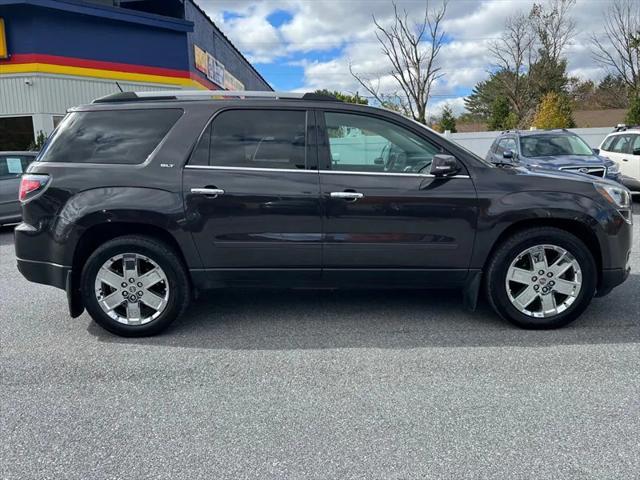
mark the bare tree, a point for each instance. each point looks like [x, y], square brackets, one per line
[619, 52]
[528, 55]
[514, 54]
[553, 27]
[412, 49]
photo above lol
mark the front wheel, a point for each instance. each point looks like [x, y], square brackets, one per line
[134, 286]
[541, 278]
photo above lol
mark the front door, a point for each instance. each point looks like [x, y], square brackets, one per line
[251, 193]
[386, 219]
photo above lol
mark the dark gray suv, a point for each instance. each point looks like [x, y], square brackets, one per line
[139, 202]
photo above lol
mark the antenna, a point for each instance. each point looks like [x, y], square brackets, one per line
[119, 87]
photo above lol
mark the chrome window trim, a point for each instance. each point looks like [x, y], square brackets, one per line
[249, 169]
[333, 172]
[389, 174]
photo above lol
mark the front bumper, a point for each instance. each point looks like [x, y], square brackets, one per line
[611, 279]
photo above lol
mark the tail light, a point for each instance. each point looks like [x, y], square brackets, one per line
[31, 183]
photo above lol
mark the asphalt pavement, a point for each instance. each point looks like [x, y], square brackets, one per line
[306, 384]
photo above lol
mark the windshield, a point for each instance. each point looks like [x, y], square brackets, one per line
[552, 145]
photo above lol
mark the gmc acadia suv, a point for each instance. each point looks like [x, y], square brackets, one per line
[141, 201]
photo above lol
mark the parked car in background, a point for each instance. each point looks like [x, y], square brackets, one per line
[623, 147]
[551, 150]
[12, 165]
[142, 201]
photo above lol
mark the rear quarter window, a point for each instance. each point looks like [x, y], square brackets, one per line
[606, 145]
[113, 136]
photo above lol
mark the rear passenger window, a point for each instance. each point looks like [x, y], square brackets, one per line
[114, 136]
[254, 139]
[621, 145]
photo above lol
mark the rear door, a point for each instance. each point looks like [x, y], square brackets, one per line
[386, 219]
[251, 192]
[617, 149]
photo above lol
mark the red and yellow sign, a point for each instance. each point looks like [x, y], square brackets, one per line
[202, 60]
[3, 40]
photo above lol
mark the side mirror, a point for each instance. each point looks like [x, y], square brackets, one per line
[508, 154]
[596, 151]
[378, 161]
[444, 165]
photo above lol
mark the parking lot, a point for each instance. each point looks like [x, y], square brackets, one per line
[306, 384]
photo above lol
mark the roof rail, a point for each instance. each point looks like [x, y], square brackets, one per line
[211, 95]
[621, 127]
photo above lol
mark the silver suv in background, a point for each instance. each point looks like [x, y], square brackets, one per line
[12, 165]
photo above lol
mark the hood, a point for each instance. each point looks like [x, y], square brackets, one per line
[561, 175]
[560, 161]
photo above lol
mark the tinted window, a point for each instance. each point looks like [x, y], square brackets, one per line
[200, 155]
[12, 166]
[116, 136]
[366, 144]
[254, 139]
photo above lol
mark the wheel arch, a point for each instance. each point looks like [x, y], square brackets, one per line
[577, 228]
[100, 233]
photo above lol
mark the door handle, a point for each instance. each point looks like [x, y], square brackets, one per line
[347, 195]
[210, 192]
[625, 160]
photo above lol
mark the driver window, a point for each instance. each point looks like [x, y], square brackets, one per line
[358, 143]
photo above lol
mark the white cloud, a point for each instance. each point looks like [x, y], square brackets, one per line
[324, 26]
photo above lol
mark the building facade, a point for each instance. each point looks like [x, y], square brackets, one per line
[55, 54]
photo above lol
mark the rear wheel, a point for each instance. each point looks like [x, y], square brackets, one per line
[134, 286]
[541, 278]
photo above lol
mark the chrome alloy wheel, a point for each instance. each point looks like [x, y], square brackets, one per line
[543, 281]
[132, 289]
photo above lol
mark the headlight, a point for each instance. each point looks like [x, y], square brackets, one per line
[613, 168]
[619, 197]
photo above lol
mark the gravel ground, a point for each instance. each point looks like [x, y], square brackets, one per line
[367, 384]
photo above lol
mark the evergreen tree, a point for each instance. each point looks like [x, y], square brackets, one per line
[37, 144]
[500, 113]
[633, 114]
[448, 120]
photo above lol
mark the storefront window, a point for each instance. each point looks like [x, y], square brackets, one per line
[16, 133]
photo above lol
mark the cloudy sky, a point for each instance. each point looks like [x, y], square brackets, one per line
[308, 44]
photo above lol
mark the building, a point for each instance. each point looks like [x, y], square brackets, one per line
[55, 54]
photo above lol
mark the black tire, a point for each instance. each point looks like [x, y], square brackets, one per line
[159, 252]
[498, 266]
